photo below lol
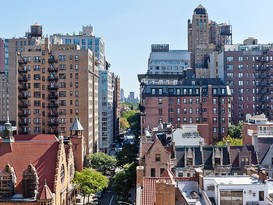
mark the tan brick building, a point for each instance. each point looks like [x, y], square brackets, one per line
[53, 84]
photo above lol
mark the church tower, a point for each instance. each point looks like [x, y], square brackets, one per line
[78, 146]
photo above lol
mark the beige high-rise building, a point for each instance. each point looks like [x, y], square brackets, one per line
[53, 85]
[204, 37]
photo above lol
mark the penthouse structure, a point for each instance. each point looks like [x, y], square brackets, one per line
[205, 102]
[165, 61]
[247, 69]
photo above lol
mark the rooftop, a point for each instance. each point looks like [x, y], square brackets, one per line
[234, 180]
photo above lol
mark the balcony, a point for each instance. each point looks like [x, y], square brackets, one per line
[23, 114]
[53, 105]
[52, 78]
[22, 87]
[23, 105]
[52, 69]
[53, 87]
[22, 61]
[22, 70]
[53, 114]
[52, 60]
[53, 96]
[22, 79]
[23, 97]
[53, 123]
[23, 123]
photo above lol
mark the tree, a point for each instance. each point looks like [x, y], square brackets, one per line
[127, 155]
[124, 179]
[235, 131]
[232, 141]
[90, 181]
[124, 124]
[101, 162]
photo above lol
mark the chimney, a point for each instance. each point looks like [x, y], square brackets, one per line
[262, 175]
[140, 175]
[228, 145]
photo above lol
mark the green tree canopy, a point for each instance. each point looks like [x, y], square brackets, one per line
[124, 179]
[90, 181]
[235, 131]
[124, 124]
[127, 155]
[101, 162]
[232, 141]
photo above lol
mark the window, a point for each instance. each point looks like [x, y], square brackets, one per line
[185, 101]
[178, 110]
[215, 130]
[240, 58]
[153, 91]
[178, 101]
[214, 120]
[160, 91]
[159, 100]
[229, 67]
[261, 195]
[157, 157]
[229, 59]
[62, 57]
[214, 101]
[190, 110]
[240, 82]
[240, 75]
[152, 172]
[244, 161]
[230, 75]
[190, 101]
[160, 111]
[162, 170]
[36, 58]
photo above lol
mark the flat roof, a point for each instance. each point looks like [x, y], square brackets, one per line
[234, 180]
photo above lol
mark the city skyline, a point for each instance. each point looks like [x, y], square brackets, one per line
[129, 28]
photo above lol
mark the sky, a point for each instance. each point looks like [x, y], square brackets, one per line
[129, 27]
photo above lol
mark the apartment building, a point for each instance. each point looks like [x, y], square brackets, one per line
[55, 84]
[106, 123]
[247, 69]
[205, 102]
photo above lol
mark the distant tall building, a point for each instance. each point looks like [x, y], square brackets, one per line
[131, 95]
[165, 61]
[86, 40]
[205, 36]
[122, 96]
[116, 104]
[2, 55]
[106, 124]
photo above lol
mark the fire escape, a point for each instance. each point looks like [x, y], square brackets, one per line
[262, 84]
[23, 120]
[52, 96]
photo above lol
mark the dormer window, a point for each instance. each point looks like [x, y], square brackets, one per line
[157, 157]
[30, 182]
[7, 182]
[189, 161]
[244, 161]
[217, 161]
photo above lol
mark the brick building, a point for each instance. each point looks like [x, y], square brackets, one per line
[205, 102]
[247, 69]
[53, 84]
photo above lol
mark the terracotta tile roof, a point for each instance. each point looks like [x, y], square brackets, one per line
[149, 188]
[38, 150]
